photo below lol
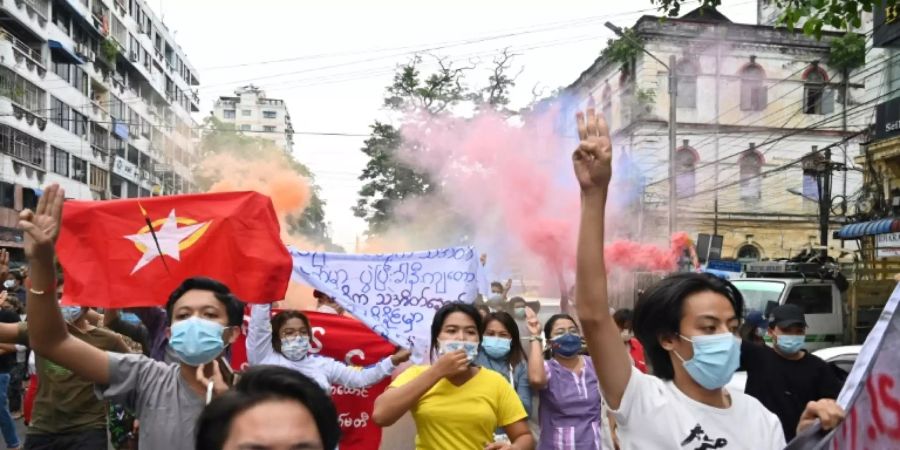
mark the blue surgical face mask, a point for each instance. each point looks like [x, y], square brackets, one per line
[496, 347]
[131, 318]
[716, 357]
[197, 341]
[566, 345]
[471, 348]
[71, 313]
[790, 344]
[295, 348]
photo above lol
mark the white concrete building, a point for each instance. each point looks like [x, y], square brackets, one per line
[252, 113]
[751, 99]
[94, 95]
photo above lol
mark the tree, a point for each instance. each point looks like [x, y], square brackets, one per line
[496, 94]
[810, 15]
[223, 139]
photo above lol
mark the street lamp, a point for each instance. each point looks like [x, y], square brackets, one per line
[673, 92]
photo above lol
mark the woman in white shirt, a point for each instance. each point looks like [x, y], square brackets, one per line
[687, 325]
[285, 341]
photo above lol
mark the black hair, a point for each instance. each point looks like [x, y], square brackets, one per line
[497, 284]
[659, 311]
[516, 351]
[261, 384]
[441, 315]
[548, 327]
[233, 306]
[623, 316]
[280, 319]
[517, 300]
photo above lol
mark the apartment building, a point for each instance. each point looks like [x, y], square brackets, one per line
[254, 114]
[95, 95]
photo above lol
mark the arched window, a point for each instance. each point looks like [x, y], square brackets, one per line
[748, 252]
[817, 99]
[754, 96]
[750, 166]
[685, 171]
[606, 103]
[686, 96]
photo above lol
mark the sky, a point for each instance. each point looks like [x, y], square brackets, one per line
[331, 61]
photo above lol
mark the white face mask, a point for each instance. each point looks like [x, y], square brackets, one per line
[8, 284]
[626, 335]
[326, 309]
[295, 348]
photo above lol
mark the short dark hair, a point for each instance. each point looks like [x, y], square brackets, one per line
[497, 284]
[441, 315]
[233, 306]
[658, 313]
[516, 351]
[623, 316]
[258, 385]
[280, 319]
[517, 300]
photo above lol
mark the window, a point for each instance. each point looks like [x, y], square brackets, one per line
[246, 112]
[228, 114]
[269, 129]
[245, 127]
[99, 178]
[7, 195]
[748, 252]
[79, 123]
[814, 299]
[60, 161]
[685, 166]
[750, 165]
[270, 114]
[79, 170]
[817, 99]
[754, 96]
[22, 146]
[59, 113]
[686, 96]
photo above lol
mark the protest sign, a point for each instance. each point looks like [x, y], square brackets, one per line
[396, 295]
[349, 341]
[871, 394]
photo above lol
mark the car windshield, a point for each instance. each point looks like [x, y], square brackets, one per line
[758, 293]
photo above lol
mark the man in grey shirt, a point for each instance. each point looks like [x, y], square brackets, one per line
[167, 398]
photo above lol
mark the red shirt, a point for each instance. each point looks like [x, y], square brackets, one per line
[637, 354]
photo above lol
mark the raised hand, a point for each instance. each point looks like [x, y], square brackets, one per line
[531, 320]
[4, 263]
[218, 381]
[42, 225]
[593, 157]
[452, 363]
[401, 356]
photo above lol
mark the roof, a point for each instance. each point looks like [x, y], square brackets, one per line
[706, 14]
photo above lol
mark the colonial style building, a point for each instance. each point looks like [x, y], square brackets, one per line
[751, 100]
[94, 95]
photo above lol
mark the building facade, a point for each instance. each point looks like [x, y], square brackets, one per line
[254, 114]
[752, 101]
[94, 95]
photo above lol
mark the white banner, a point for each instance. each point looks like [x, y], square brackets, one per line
[871, 395]
[887, 245]
[396, 295]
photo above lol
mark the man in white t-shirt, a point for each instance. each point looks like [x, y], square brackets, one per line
[687, 325]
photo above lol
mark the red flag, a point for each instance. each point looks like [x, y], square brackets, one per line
[350, 341]
[111, 257]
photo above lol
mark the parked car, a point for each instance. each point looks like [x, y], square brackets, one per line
[840, 359]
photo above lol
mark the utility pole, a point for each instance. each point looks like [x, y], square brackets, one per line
[824, 177]
[673, 108]
[716, 136]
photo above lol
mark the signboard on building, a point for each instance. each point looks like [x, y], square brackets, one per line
[887, 119]
[125, 169]
[887, 245]
[887, 25]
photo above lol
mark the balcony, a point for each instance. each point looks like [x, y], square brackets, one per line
[99, 111]
[29, 117]
[23, 53]
[35, 9]
[22, 147]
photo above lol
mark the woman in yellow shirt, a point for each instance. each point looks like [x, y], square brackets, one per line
[456, 404]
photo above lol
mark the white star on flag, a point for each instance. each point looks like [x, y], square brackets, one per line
[169, 237]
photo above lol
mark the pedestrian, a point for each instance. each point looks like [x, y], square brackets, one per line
[503, 353]
[624, 319]
[686, 323]
[326, 304]
[455, 403]
[754, 329]
[270, 407]
[166, 398]
[569, 411]
[517, 308]
[14, 285]
[785, 377]
[8, 352]
[284, 340]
